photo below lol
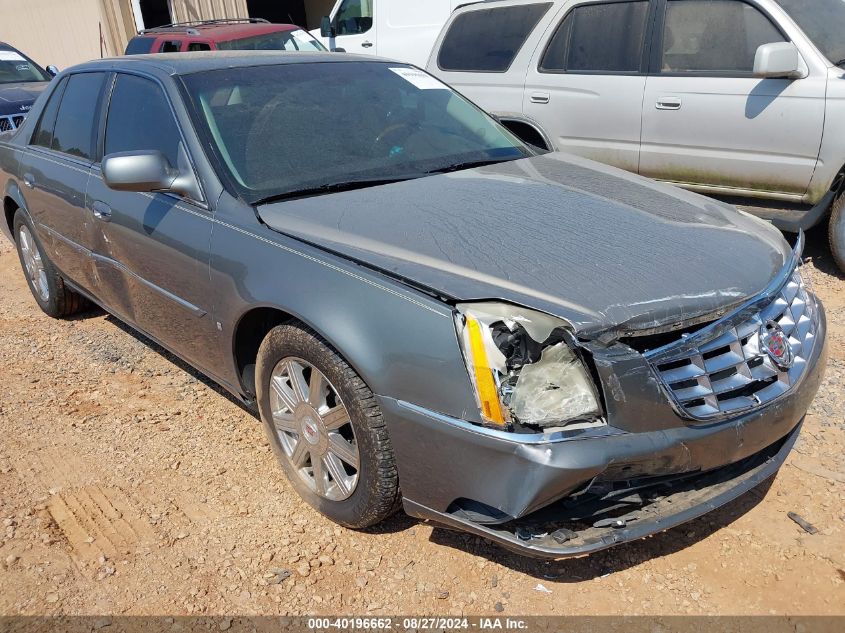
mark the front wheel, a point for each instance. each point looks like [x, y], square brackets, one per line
[836, 232]
[326, 428]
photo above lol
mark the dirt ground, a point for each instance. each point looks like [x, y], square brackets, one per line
[130, 485]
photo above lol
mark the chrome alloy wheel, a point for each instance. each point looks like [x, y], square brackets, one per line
[314, 429]
[33, 263]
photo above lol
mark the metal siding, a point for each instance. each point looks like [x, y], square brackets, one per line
[189, 10]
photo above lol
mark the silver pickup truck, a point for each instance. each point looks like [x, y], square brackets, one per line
[741, 99]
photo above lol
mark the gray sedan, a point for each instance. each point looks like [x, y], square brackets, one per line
[425, 312]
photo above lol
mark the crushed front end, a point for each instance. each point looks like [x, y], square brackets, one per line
[589, 443]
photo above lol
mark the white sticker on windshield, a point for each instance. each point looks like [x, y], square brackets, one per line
[421, 80]
[302, 36]
[11, 56]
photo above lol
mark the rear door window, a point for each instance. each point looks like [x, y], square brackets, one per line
[599, 38]
[43, 136]
[198, 46]
[140, 118]
[173, 46]
[74, 131]
[488, 40]
[714, 36]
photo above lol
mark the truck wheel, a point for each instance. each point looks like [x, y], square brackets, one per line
[46, 284]
[326, 428]
[836, 232]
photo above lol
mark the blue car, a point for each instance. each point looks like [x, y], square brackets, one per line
[21, 81]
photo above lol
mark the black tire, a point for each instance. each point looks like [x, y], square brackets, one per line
[60, 300]
[376, 495]
[836, 232]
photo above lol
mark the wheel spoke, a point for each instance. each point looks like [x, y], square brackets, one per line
[315, 389]
[335, 418]
[342, 449]
[300, 452]
[285, 422]
[281, 390]
[320, 480]
[338, 474]
[297, 381]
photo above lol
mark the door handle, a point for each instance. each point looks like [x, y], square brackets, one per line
[29, 180]
[101, 211]
[669, 103]
[541, 97]
[367, 44]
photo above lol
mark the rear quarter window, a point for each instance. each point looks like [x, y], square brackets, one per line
[140, 45]
[488, 40]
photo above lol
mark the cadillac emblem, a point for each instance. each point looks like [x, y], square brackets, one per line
[775, 343]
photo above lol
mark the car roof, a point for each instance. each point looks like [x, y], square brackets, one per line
[218, 32]
[195, 62]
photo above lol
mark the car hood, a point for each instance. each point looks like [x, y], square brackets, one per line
[18, 98]
[597, 246]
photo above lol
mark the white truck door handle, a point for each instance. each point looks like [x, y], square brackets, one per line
[669, 103]
[540, 97]
[367, 44]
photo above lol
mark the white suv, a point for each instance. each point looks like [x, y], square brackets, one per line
[736, 98]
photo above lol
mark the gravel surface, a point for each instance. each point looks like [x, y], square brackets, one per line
[131, 485]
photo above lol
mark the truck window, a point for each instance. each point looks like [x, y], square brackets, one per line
[198, 46]
[140, 45]
[74, 131]
[598, 38]
[714, 36]
[354, 17]
[170, 47]
[487, 40]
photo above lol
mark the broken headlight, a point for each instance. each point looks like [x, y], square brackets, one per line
[524, 370]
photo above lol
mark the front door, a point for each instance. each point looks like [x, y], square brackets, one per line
[707, 121]
[585, 87]
[355, 28]
[56, 170]
[152, 248]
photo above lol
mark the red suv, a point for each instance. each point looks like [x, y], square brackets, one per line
[249, 34]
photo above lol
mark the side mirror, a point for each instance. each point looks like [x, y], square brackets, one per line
[148, 171]
[326, 27]
[137, 171]
[778, 60]
[52, 70]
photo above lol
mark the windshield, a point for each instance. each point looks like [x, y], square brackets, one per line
[297, 40]
[15, 68]
[824, 23]
[290, 128]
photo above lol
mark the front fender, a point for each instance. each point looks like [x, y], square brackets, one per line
[400, 341]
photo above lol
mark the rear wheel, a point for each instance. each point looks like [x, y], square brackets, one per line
[46, 284]
[836, 232]
[326, 428]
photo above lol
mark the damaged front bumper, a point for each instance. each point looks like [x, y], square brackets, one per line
[562, 496]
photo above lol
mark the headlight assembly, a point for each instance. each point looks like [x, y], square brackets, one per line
[523, 369]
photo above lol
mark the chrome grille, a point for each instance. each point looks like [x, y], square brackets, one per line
[9, 123]
[731, 371]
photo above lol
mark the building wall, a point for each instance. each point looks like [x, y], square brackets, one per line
[60, 32]
[190, 10]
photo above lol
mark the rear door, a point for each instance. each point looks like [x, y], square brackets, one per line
[152, 248]
[56, 170]
[709, 122]
[585, 83]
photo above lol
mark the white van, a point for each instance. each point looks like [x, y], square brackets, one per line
[404, 30]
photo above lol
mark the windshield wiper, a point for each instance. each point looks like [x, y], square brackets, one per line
[334, 187]
[840, 62]
[470, 164]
